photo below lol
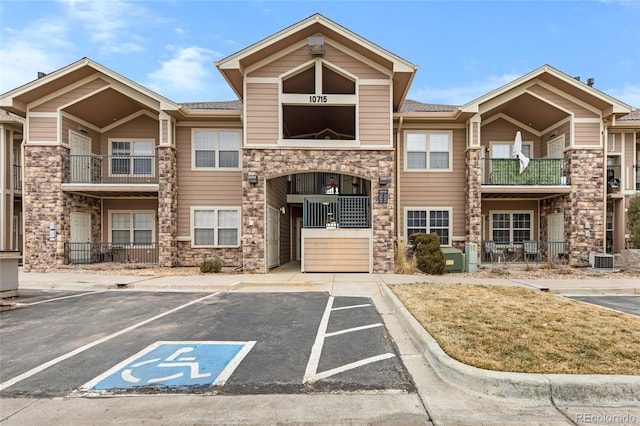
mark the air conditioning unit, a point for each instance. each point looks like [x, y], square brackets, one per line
[601, 261]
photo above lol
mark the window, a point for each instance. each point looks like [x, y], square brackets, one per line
[215, 226]
[436, 221]
[216, 149]
[428, 151]
[132, 227]
[511, 227]
[131, 157]
[505, 150]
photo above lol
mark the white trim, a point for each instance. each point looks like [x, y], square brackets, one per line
[427, 132]
[512, 121]
[129, 118]
[427, 209]
[262, 80]
[532, 217]
[216, 150]
[153, 214]
[215, 234]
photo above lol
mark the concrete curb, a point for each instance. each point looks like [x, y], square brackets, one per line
[560, 388]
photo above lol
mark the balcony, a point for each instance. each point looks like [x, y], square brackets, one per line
[525, 252]
[110, 174]
[336, 212]
[637, 166]
[613, 178]
[501, 177]
[101, 252]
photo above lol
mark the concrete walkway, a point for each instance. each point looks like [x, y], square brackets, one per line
[448, 392]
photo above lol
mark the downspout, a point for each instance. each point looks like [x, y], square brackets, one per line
[397, 174]
[605, 149]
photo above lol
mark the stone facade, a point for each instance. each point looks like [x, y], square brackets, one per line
[167, 206]
[473, 196]
[586, 204]
[270, 163]
[231, 258]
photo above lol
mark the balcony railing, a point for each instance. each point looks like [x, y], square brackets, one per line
[333, 211]
[17, 177]
[534, 251]
[101, 252]
[109, 169]
[637, 177]
[540, 171]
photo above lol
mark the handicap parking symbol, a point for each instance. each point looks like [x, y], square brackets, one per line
[191, 363]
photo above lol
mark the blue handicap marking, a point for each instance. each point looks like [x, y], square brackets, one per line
[190, 363]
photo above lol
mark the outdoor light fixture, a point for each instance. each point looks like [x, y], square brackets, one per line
[316, 45]
[383, 180]
[252, 179]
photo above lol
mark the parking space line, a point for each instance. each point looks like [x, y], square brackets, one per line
[66, 297]
[311, 373]
[81, 349]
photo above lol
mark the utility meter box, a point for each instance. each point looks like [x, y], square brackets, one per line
[471, 257]
[453, 259]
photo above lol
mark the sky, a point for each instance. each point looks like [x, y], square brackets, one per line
[464, 49]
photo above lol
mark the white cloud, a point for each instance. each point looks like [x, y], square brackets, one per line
[460, 95]
[185, 76]
[629, 94]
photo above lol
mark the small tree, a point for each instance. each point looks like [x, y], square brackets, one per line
[429, 257]
[633, 221]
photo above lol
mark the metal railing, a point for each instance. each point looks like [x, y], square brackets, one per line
[637, 167]
[539, 171]
[533, 251]
[333, 211]
[101, 252]
[17, 177]
[613, 178]
[109, 169]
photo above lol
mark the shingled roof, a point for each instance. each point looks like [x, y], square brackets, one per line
[221, 105]
[632, 116]
[414, 106]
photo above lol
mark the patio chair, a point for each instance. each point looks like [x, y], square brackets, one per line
[531, 250]
[492, 251]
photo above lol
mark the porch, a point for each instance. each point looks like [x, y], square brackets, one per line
[539, 172]
[523, 252]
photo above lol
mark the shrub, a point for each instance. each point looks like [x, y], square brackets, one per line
[405, 262]
[429, 257]
[210, 266]
[633, 221]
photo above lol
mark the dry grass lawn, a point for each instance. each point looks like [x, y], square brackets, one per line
[522, 330]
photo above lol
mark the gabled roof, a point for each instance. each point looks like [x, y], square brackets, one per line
[16, 100]
[561, 81]
[233, 66]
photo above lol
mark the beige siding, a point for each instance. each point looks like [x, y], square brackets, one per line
[375, 115]
[628, 170]
[42, 129]
[436, 189]
[503, 131]
[143, 127]
[557, 99]
[336, 254]
[65, 98]
[587, 134]
[300, 56]
[71, 125]
[262, 114]
[202, 188]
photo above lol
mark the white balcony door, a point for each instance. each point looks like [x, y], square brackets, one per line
[273, 237]
[80, 233]
[80, 167]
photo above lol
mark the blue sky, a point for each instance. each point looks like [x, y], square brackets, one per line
[464, 49]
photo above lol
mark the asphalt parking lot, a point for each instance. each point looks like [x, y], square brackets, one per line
[628, 304]
[110, 342]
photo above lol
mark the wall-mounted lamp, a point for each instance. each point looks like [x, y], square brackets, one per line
[283, 210]
[252, 179]
[384, 180]
[316, 45]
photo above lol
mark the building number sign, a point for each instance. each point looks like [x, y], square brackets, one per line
[318, 99]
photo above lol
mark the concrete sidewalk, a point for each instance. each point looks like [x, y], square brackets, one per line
[449, 392]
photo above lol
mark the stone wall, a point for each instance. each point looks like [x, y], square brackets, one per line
[473, 196]
[586, 204]
[269, 163]
[167, 207]
[231, 258]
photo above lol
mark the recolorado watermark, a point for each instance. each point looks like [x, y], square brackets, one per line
[606, 418]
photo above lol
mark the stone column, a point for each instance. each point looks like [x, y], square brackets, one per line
[587, 205]
[167, 206]
[473, 196]
[44, 204]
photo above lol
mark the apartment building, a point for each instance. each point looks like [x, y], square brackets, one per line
[322, 160]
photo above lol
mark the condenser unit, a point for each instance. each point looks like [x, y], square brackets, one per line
[601, 261]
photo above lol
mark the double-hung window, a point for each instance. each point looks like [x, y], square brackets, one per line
[132, 157]
[430, 221]
[511, 227]
[215, 226]
[137, 227]
[215, 149]
[428, 151]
